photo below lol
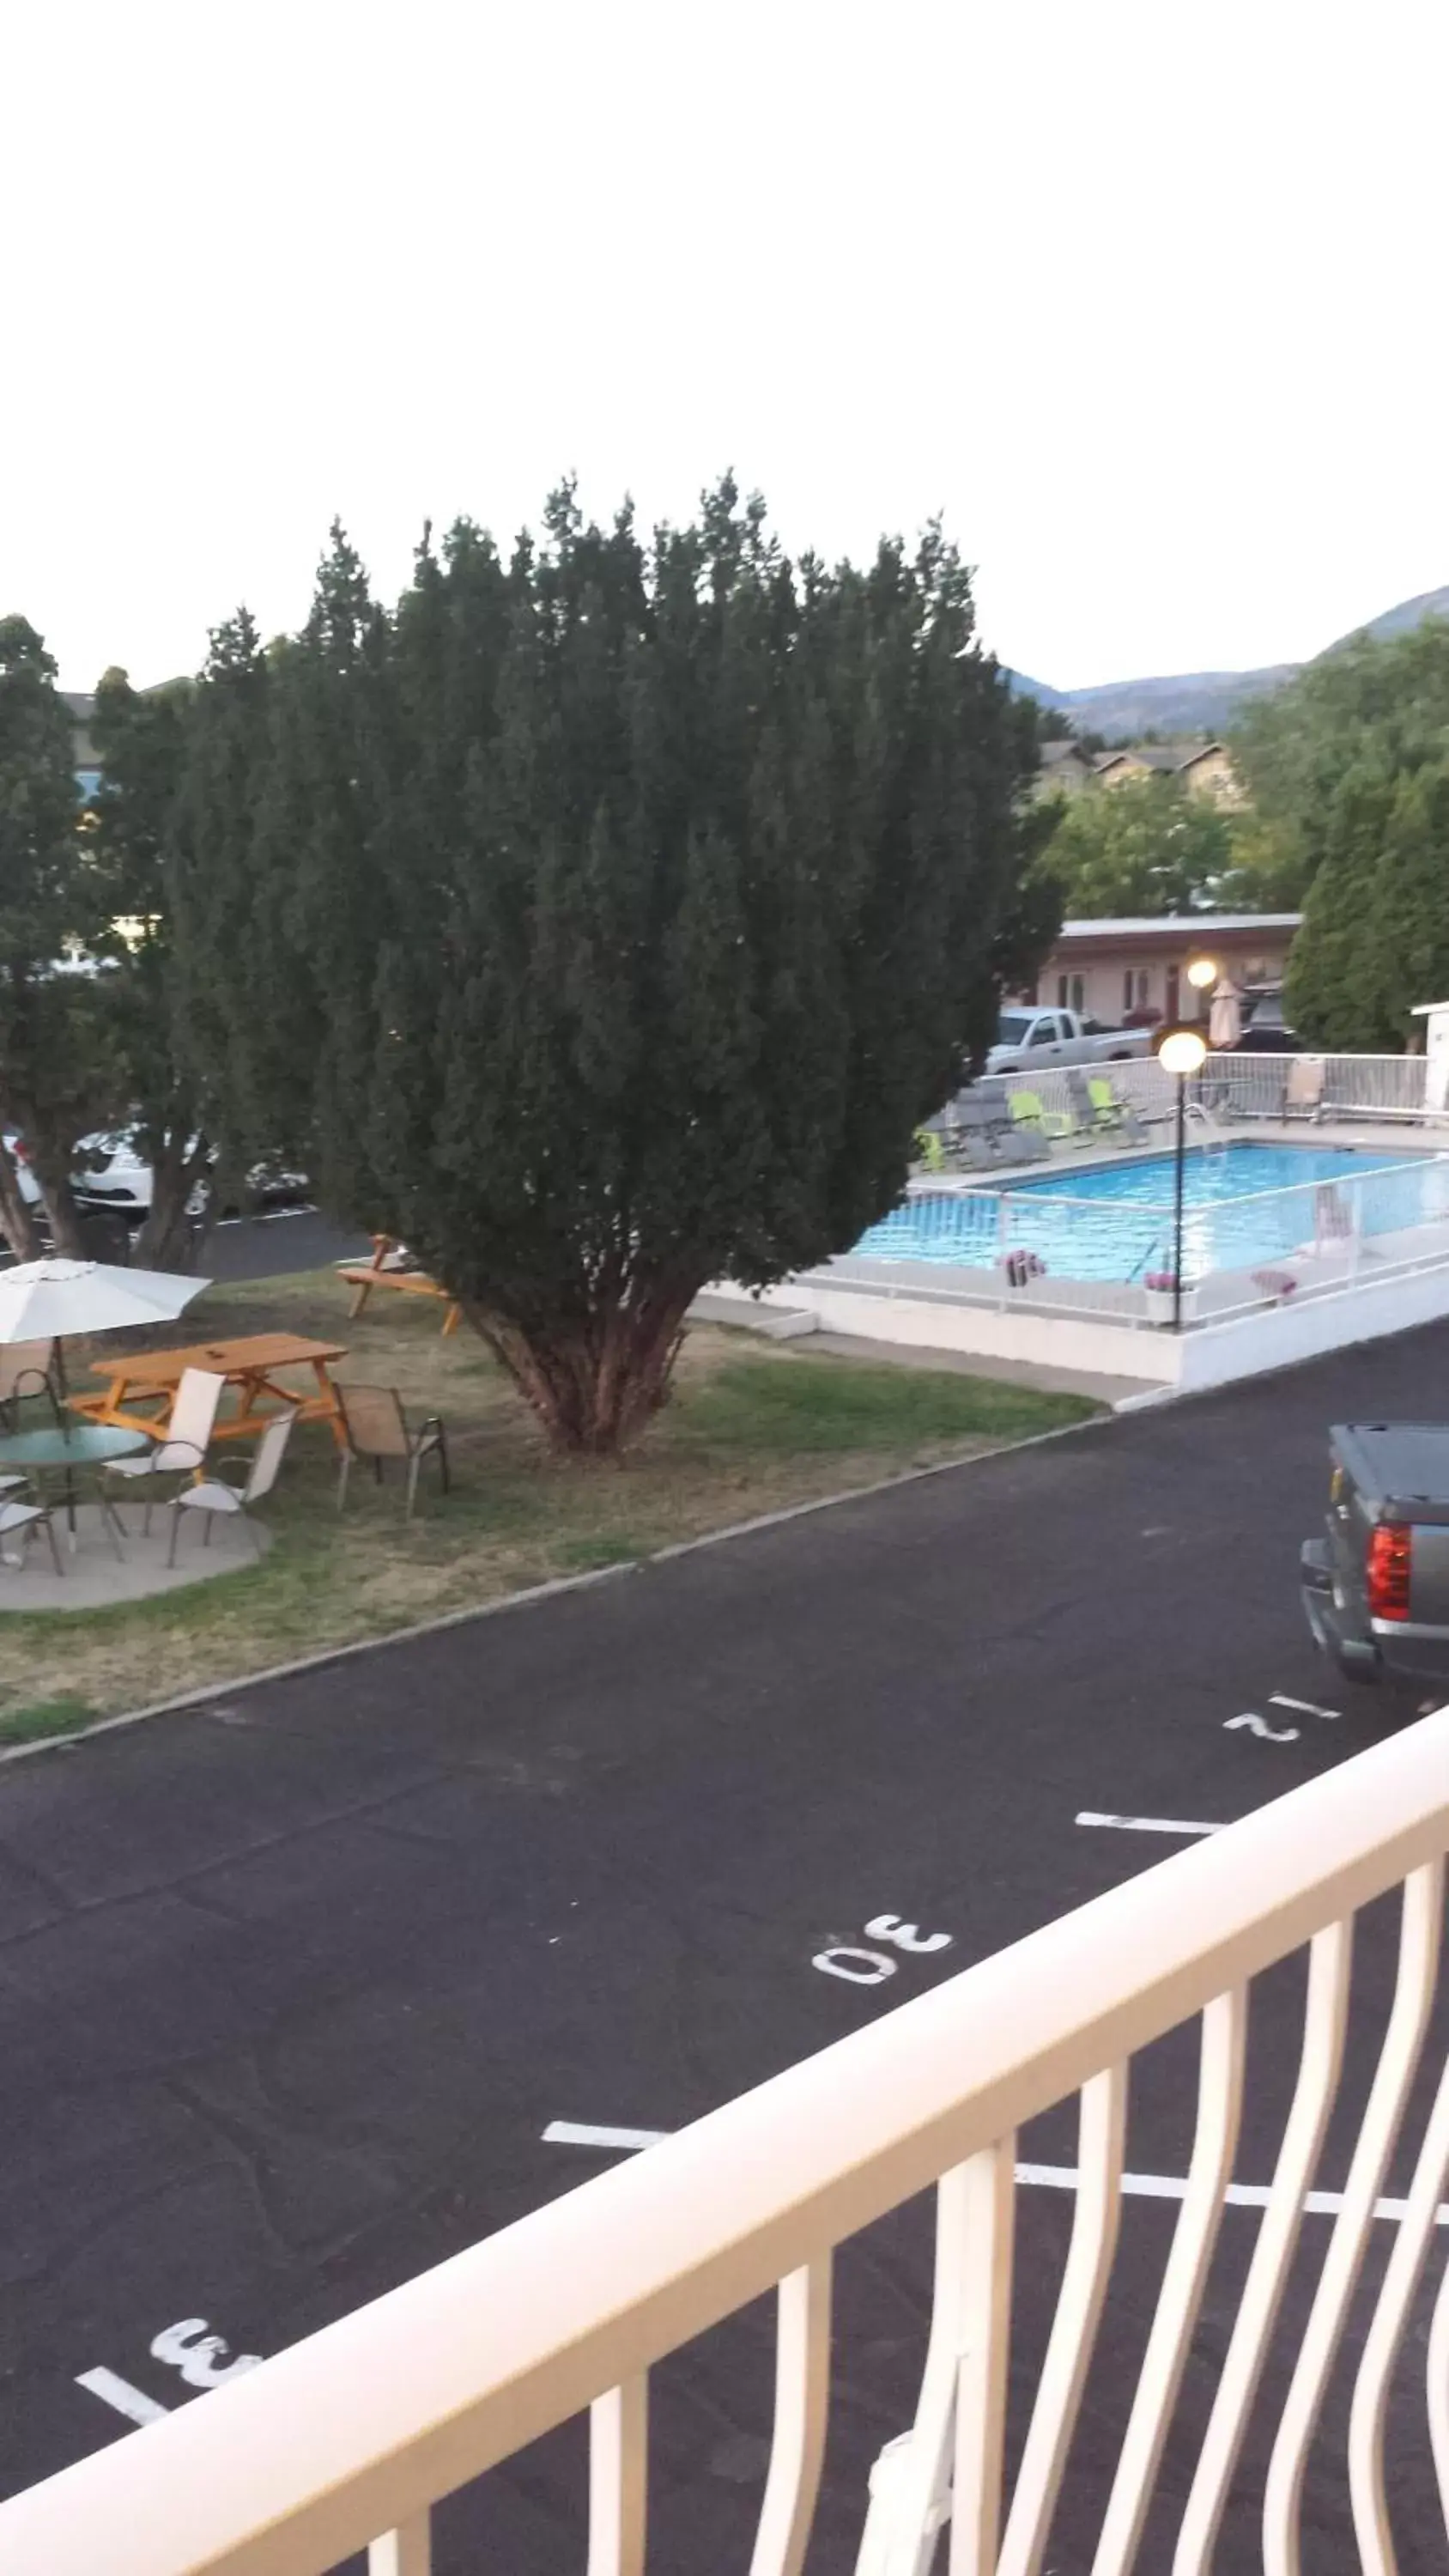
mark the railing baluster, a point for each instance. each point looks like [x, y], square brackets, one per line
[618, 2480]
[1219, 2105]
[985, 2327]
[802, 2399]
[1404, 2037]
[1074, 2327]
[911, 2485]
[1384, 2338]
[408, 2551]
[1439, 2393]
[1325, 2015]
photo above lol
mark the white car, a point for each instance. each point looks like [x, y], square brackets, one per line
[115, 1175]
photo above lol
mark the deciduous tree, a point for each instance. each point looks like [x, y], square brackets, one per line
[1144, 847]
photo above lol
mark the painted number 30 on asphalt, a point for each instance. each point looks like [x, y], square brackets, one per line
[872, 1967]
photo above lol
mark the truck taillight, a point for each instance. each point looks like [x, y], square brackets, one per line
[1388, 1567]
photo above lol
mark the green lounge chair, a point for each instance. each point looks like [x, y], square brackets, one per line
[1027, 1111]
[1113, 1115]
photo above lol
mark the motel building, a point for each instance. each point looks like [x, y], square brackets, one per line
[1134, 971]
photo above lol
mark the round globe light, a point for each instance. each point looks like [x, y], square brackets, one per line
[1181, 1051]
[1201, 972]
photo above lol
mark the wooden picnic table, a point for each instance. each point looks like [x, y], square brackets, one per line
[388, 1268]
[253, 1365]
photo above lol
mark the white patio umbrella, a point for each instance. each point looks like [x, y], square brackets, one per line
[43, 1301]
[1225, 1020]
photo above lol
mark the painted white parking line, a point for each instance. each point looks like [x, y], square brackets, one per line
[1304, 1707]
[1145, 1824]
[1239, 2195]
[576, 2133]
[119, 2393]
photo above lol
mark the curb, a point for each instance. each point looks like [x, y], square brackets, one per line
[209, 1692]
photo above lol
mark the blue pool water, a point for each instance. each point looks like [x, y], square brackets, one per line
[1115, 1221]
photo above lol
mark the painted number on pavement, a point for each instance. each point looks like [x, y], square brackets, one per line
[859, 1967]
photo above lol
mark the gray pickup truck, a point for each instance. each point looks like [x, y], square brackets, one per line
[1376, 1587]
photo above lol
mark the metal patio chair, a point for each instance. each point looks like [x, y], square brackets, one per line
[214, 1498]
[377, 1427]
[26, 1368]
[188, 1436]
[28, 1518]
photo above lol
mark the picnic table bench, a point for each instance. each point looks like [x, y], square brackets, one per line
[388, 1269]
[253, 1364]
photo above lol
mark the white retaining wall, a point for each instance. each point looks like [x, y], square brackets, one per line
[1210, 1355]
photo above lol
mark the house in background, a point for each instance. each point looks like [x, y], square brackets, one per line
[1137, 968]
[1065, 770]
[1205, 768]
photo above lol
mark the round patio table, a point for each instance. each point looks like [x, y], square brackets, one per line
[60, 1452]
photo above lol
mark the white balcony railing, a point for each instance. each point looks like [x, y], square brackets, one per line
[349, 2438]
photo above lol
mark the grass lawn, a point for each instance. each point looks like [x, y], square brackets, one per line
[753, 1426]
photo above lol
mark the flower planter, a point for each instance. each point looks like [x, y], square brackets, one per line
[1159, 1305]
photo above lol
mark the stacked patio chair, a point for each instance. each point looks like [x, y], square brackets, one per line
[1027, 1129]
[1103, 1112]
[973, 1132]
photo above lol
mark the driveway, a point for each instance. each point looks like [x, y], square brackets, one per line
[291, 1989]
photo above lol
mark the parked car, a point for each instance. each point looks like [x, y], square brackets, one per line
[1376, 1586]
[1027, 1041]
[115, 1175]
[1265, 1031]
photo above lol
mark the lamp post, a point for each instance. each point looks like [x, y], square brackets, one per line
[1202, 973]
[1180, 1053]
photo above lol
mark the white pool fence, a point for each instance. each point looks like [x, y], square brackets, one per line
[1311, 1088]
[1020, 1244]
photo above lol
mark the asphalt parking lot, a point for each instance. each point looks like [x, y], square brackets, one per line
[293, 1988]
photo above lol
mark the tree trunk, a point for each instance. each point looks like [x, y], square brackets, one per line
[52, 1171]
[17, 1220]
[167, 1239]
[595, 1386]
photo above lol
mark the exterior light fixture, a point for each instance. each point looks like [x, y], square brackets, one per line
[1180, 1052]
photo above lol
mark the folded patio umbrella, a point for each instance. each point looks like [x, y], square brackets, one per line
[47, 1300]
[1225, 1022]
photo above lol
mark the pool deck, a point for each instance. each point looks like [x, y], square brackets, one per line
[1393, 1138]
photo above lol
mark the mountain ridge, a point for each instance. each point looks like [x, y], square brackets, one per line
[1197, 701]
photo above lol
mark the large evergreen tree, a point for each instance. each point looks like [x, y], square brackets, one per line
[613, 915]
[1347, 769]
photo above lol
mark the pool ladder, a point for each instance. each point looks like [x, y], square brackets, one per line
[1207, 1126]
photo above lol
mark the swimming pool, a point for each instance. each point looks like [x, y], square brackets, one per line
[1243, 1204]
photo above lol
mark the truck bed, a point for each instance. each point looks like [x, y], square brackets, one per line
[1400, 1469]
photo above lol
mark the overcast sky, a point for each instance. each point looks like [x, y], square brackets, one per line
[1148, 300]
